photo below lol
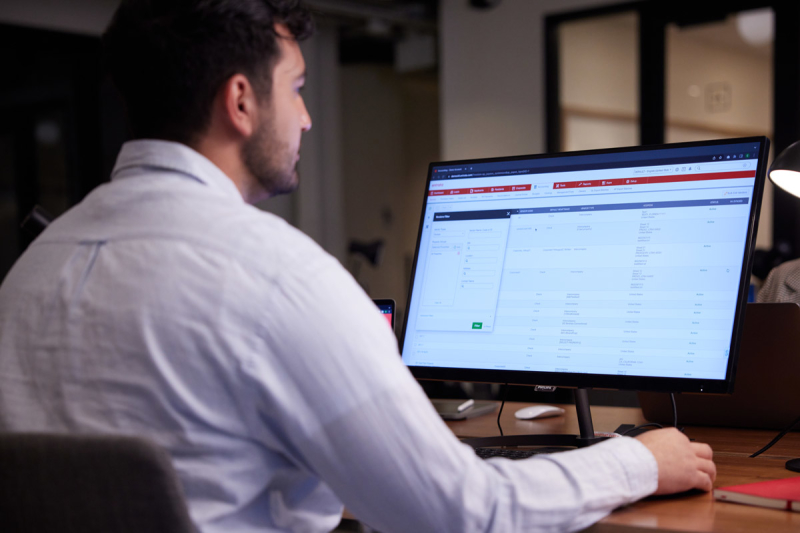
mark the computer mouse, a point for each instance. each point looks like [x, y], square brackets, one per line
[539, 411]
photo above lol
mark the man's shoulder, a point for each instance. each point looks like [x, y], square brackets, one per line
[271, 235]
[192, 218]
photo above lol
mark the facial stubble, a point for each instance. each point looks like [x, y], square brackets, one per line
[270, 161]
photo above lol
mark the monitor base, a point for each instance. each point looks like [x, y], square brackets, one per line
[574, 441]
[586, 438]
[793, 465]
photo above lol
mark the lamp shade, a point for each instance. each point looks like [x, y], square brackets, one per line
[785, 170]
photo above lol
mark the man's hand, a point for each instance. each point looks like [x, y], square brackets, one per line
[682, 465]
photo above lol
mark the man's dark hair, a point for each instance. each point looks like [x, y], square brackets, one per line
[169, 58]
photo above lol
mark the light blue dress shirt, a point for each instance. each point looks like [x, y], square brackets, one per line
[164, 306]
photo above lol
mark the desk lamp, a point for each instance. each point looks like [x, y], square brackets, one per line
[785, 173]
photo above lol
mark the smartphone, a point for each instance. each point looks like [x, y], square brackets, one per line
[386, 307]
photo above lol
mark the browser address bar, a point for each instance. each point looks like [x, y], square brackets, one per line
[743, 165]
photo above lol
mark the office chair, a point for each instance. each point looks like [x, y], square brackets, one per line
[88, 484]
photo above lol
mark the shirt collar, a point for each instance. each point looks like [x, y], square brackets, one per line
[153, 154]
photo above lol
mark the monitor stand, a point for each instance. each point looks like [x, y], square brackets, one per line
[586, 438]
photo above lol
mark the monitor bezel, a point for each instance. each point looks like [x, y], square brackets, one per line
[606, 381]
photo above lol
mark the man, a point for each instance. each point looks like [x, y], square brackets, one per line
[782, 284]
[163, 305]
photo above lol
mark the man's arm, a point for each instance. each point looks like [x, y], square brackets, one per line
[354, 416]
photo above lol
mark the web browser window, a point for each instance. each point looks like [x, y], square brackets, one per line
[626, 267]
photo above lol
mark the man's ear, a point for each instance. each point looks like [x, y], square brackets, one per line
[239, 105]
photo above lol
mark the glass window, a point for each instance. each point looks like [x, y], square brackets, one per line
[720, 84]
[599, 81]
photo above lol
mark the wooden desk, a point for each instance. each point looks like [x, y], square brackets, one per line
[687, 512]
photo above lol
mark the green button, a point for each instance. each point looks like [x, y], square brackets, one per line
[477, 325]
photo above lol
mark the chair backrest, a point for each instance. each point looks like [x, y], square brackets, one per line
[88, 484]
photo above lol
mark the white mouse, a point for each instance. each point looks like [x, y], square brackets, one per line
[539, 411]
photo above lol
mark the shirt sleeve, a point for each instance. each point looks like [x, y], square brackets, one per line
[769, 289]
[334, 396]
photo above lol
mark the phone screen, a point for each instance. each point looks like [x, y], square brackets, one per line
[386, 308]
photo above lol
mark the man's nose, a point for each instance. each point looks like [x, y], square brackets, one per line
[305, 118]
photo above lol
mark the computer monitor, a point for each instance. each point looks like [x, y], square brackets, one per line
[621, 268]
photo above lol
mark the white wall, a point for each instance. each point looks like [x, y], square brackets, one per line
[492, 76]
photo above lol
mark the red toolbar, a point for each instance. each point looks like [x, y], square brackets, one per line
[603, 182]
[481, 190]
[656, 179]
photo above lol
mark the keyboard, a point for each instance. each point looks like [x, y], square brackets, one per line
[514, 453]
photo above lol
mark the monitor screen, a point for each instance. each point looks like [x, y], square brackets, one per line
[622, 268]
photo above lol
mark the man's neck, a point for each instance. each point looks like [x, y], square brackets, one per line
[227, 156]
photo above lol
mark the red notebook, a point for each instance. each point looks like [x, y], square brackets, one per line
[777, 494]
